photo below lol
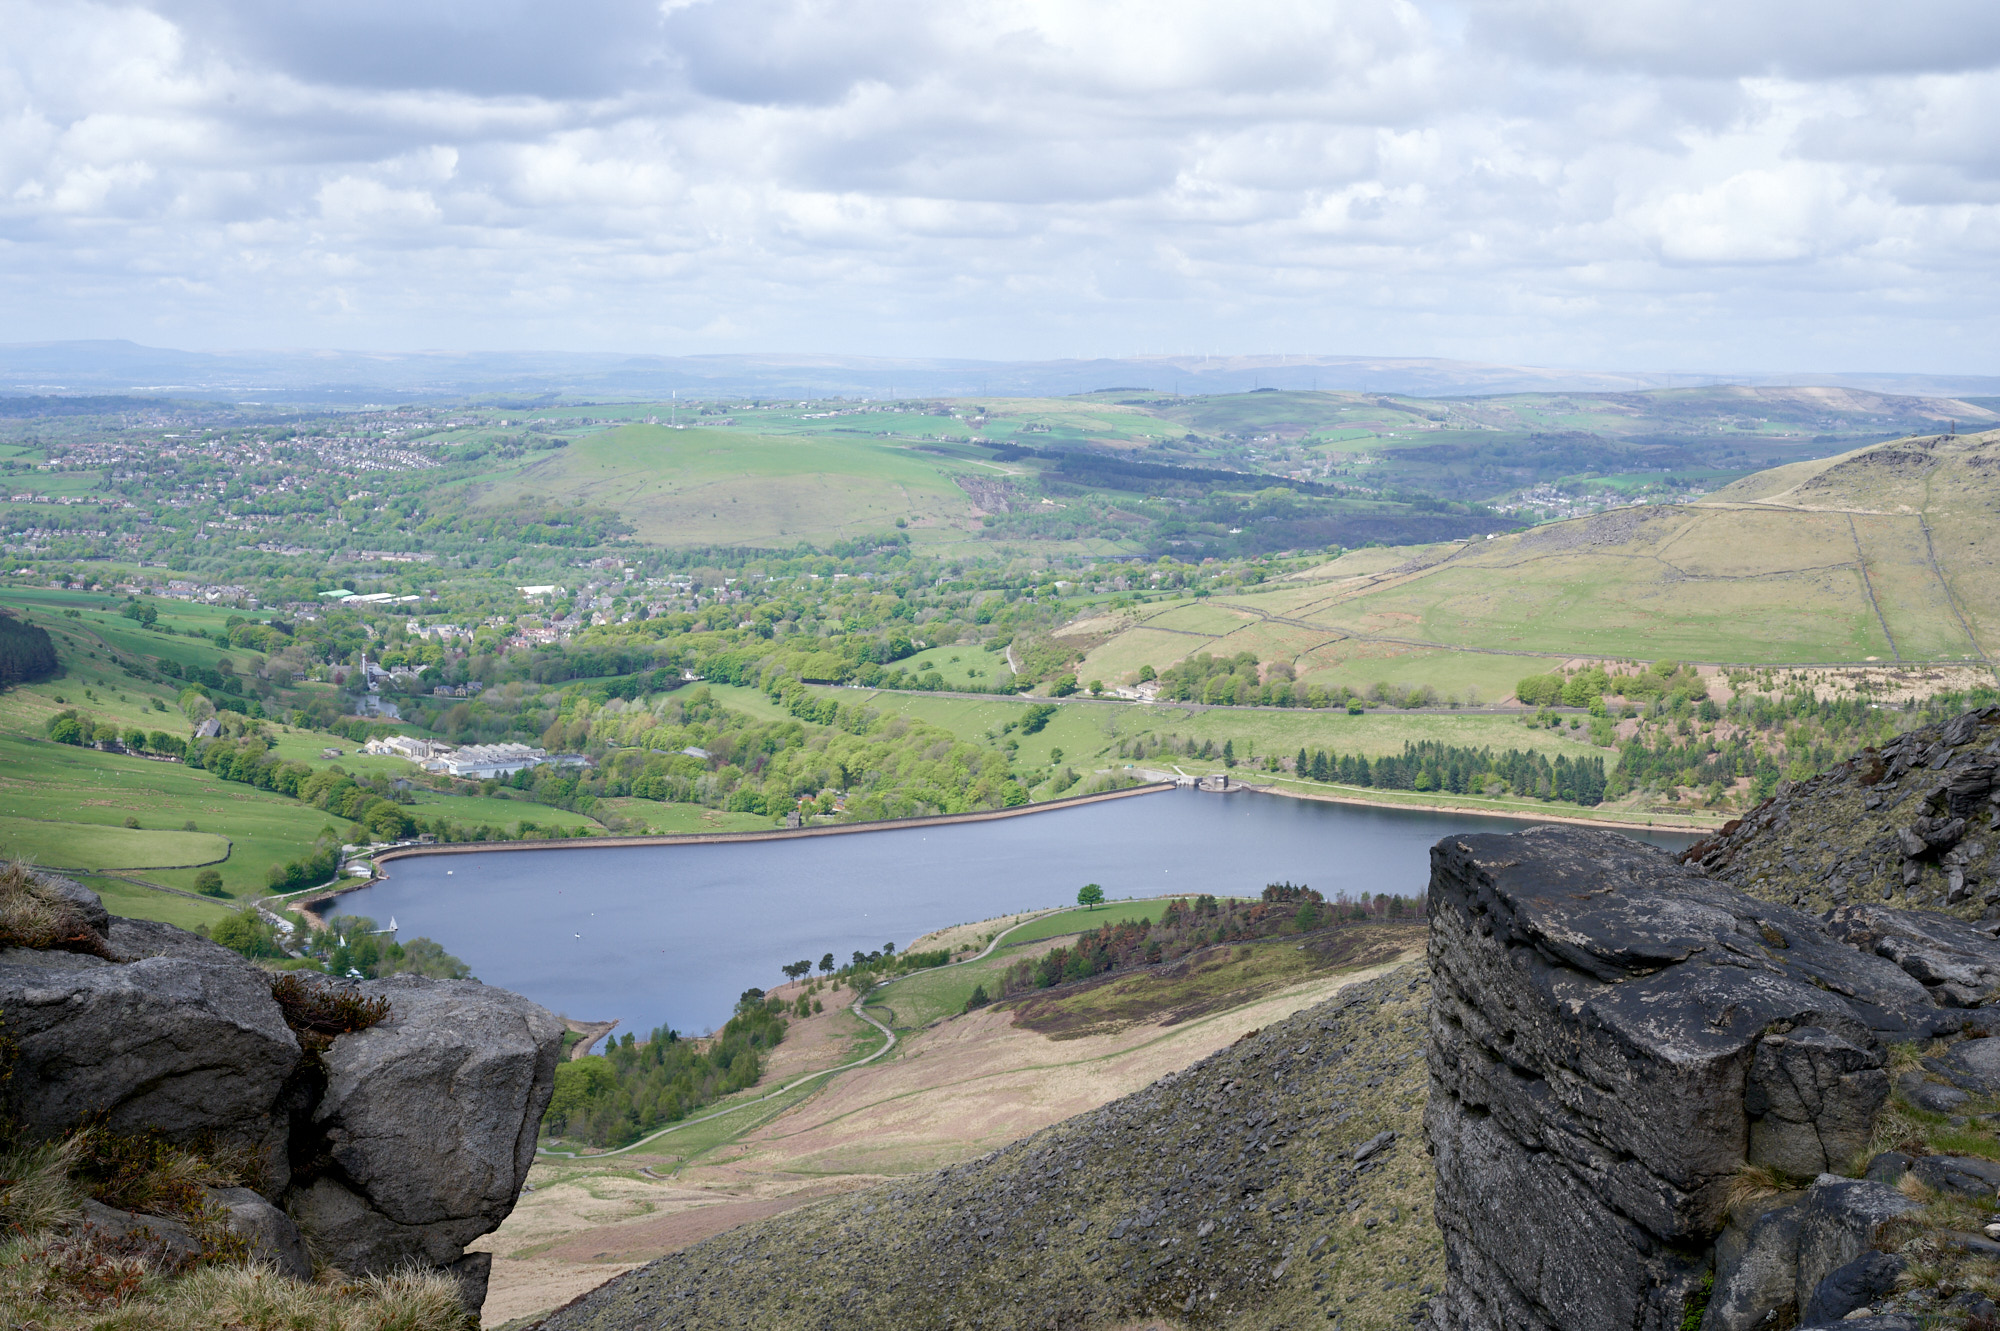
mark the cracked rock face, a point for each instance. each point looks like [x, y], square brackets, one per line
[428, 1123]
[180, 1045]
[1958, 964]
[1613, 1036]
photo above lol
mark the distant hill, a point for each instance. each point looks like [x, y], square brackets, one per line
[1882, 554]
[110, 366]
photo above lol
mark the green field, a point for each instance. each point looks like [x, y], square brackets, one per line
[678, 819]
[50, 782]
[141, 903]
[493, 811]
[928, 996]
[730, 486]
[965, 667]
[1088, 731]
[1088, 917]
[1767, 570]
[68, 845]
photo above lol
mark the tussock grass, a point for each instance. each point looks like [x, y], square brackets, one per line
[318, 1011]
[72, 1282]
[36, 1190]
[58, 1274]
[1902, 1126]
[33, 916]
[1924, 1239]
[1753, 1183]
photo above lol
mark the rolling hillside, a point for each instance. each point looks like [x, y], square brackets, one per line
[1127, 471]
[728, 487]
[1884, 554]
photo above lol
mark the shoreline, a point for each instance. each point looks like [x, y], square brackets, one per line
[309, 900]
[773, 834]
[1525, 816]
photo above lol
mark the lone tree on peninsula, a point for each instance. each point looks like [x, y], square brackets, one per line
[1090, 895]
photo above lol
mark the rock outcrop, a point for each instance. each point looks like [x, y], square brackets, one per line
[1614, 1038]
[185, 1047]
[1917, 823]
[398, 1143]
[474, 1067]
[1644, 1060]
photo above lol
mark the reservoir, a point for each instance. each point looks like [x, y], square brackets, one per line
[670, 935]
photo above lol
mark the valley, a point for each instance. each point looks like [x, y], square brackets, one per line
[282, 645]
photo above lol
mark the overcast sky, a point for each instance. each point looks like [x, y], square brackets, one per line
[1657, 184]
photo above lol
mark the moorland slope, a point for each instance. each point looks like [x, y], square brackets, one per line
[1279, 1179]
[1881, 555]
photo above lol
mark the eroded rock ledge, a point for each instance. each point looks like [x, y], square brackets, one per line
[1617, 1040]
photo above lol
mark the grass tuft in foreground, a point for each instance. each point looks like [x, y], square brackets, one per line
[58, 1273]
[318, 1011]
[34, 915]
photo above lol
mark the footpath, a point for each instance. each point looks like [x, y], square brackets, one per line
[857, 1008]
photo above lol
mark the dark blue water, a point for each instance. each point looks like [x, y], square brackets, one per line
[670, 935]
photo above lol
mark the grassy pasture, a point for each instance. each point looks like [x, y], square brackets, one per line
[142, 903]
[94, 846]
[1765, 571]
[956, 662]
[697, 486]
[1085, 917]
[1078, 729]
[493, 810]
[922, 998]
[1088, 732]
[60, 783]
[751, 702]
[1911, 598]
[1475, 678]
[1371, 734]
[1140, 646]
[672, 819]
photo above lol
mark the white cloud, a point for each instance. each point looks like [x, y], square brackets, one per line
[1683, 183]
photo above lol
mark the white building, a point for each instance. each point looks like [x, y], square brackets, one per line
[406, 746]
[483, 761]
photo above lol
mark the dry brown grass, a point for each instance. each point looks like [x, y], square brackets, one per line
[1924, 1239]
[70, 1283]
[36, 1190]
[1753, 1183]
[58, 1274]
[319, 1011]
[33, 916]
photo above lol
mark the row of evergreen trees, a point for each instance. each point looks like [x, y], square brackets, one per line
[26, 654]
[1431, 765]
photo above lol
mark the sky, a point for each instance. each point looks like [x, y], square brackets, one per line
[1696, 185]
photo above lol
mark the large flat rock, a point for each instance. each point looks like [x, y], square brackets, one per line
[184, 1047]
